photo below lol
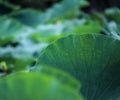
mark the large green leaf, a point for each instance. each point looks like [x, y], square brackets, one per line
[93, 59]
[34, 86]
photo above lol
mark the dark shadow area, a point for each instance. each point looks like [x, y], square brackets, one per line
[37, 4]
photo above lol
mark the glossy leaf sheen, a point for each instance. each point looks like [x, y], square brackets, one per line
[93, 59]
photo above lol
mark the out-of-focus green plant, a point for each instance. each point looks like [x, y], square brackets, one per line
[38, 86]
[54, 35]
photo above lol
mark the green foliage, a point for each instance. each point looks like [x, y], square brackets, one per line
[35, 86]
[113, 29]
[92, 27]
[29, 17]
[113, 14]
[16, 59]
[93, 59]
[61, 11]
[65, 10]
[11, 30]
[62, 52]
[58, 74]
